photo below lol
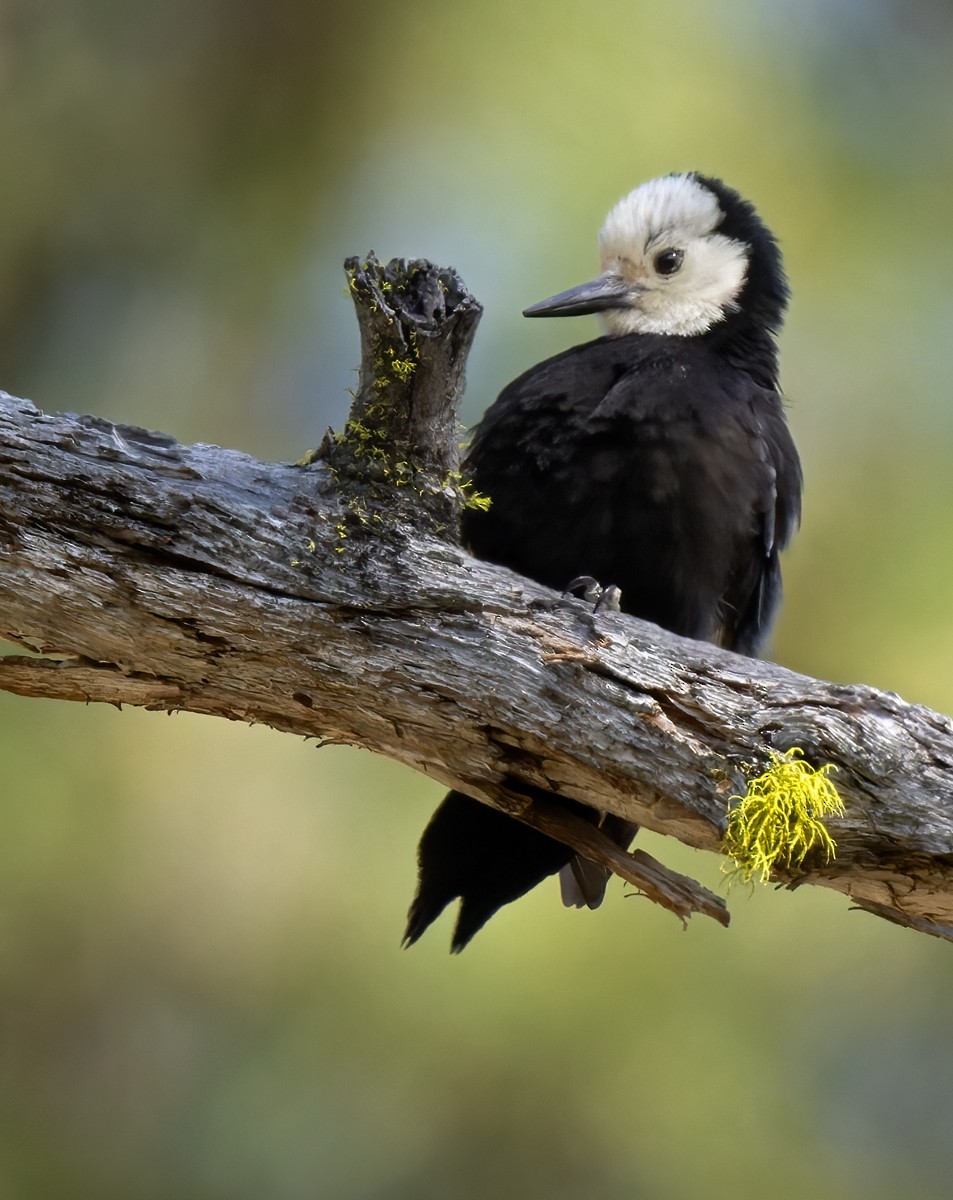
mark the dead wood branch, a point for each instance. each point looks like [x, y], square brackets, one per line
[331, 599]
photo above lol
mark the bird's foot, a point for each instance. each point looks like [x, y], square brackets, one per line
[603, 599]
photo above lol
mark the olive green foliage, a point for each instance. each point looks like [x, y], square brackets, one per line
[201, 987]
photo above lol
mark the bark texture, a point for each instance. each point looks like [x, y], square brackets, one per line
[332, 599]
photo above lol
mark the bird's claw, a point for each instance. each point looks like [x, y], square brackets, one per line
[603, 599]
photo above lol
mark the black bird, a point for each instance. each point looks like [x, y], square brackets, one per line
[656, 458]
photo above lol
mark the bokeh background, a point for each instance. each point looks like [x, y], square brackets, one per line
[201, 990]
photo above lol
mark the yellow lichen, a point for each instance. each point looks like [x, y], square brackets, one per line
[470, 496]
[311, 545]
[778, 821]
[403, 368]
[391, 366]
[474, 499]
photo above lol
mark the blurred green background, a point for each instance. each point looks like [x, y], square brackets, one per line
[201, 990]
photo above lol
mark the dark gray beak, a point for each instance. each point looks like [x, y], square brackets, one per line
[608, 291]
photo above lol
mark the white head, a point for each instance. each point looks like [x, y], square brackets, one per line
[665, 268]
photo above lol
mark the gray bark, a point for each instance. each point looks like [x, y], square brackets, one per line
[331, 599]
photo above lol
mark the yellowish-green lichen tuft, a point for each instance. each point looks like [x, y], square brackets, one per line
[403, 368]
[474, 499]
[467, 492]
[779, 820]
[391, 366]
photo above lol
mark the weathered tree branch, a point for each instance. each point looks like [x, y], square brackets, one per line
[331, 599]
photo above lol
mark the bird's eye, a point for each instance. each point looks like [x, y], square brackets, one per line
[667, 262]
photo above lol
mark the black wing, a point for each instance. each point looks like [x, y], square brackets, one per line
[753, 594]
[651, 464]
